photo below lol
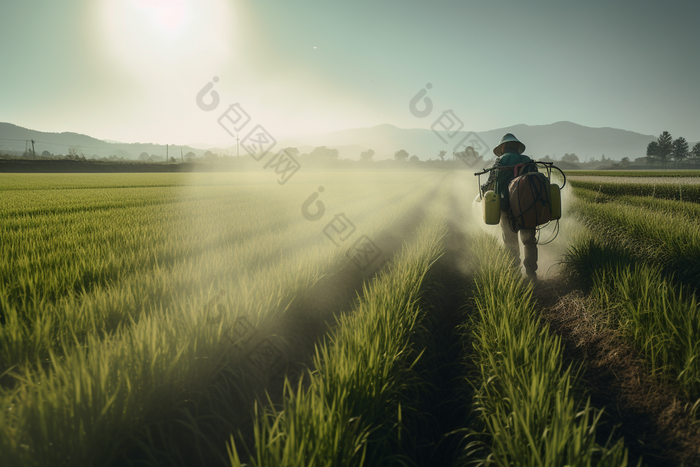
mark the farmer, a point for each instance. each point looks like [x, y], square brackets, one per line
[509, 153]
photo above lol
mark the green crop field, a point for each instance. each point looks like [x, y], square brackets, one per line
[639, 174]
[361, 318]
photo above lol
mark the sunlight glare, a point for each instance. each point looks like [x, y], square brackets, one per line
[169, 14]
[148, 38]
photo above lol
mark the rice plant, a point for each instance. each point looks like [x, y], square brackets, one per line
[635, 264]
[661, 320]
[641, 174]
[530, 411]
[684, 210]
[349, 411]
[665, 191]
[107, 325]
[670, 241]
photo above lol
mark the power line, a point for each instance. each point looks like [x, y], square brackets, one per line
[106, 146]
[54, 144]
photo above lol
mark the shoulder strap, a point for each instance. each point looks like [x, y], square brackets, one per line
[516, 169]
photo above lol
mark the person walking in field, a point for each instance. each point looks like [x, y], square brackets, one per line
[509, 153]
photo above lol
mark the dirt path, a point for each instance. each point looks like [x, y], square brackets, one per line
[653, 418]
[445, 405]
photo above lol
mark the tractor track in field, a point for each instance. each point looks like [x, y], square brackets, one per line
[652, 416]
[294, 335]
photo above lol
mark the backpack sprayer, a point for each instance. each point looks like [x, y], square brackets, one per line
[532, 200]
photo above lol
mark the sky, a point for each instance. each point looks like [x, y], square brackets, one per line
[131, 70]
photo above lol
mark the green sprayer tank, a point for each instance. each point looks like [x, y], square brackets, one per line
[492, 208]
[554, 201]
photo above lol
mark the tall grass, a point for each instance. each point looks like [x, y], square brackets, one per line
[529, 409]
[670, 191]
[660, 318]
[89, 272]
[59, 287]
[349, 411]
[684, 210]
[81, 408]
[639, 253]
[635, 173]
[667, 240]
[145, 339]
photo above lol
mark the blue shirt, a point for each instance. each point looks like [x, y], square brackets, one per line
[499, 179]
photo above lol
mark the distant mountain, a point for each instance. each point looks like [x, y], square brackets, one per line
[13, 139]
[559, 138]
[554, 140]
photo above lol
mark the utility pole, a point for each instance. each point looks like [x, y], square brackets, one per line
[166, 153]
[237, 145]
[182, 158]
[33, 153]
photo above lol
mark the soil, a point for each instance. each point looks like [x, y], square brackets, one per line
[654, 417]
[445, 406]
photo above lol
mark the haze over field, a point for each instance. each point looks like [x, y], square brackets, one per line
[554, 140]
[166, 303]
[130, 70]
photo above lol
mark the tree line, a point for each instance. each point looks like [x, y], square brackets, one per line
[665, 149]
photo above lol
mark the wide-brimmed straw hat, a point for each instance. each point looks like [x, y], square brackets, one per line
[508, 138]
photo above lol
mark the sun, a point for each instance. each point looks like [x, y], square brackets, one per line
[152, 37]
[169, 15]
